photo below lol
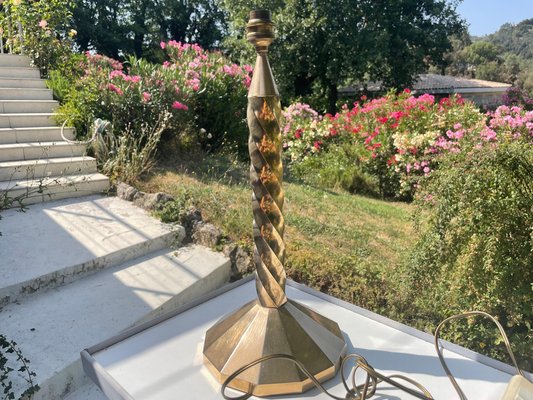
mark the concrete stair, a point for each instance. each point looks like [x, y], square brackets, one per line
[78, 271]
[35, 160]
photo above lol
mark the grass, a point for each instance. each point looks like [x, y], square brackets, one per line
[339, 243]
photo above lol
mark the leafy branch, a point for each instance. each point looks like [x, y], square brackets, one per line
[8, 347]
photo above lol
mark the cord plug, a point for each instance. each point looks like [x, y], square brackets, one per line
[519, 388]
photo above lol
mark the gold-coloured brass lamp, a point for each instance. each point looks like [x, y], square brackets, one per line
[272, 324]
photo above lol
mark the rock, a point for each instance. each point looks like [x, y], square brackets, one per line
[241, 262]
[206, 234]
[189, 222]
[152, 201]
[126, 192]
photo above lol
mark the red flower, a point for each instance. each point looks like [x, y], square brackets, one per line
[363, 97]
[317, 144]
[298, 133]
[406, 90]
[383, 120]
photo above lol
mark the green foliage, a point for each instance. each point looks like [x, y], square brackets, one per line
[174, 211]
[133, 152]
[46, 30]
[504, 56]
[517, 39]
[195, 98]
[320, 46]
[475, 243]
[12, 361]
[338, 168]
[115, 28]
[383, 146]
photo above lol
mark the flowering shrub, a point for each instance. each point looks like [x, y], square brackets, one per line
[514, 96]
[47, 34]
[397, 139]
[195, 91]
[216, 92]
[475, 241]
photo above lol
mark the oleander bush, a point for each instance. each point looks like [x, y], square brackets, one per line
[196, 97]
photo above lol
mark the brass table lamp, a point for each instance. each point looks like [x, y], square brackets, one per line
[272, 324]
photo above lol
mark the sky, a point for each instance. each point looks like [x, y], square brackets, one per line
[486, 16]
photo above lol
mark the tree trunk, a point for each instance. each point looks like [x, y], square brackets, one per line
[333, 96]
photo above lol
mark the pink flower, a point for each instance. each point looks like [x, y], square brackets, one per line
[179, 106]
[488, 134]
[397, 115]
[113, 74]
[135, 79]
[166, 64]
[163, 45]
[146, 97]
[115, 89]
[43, 24]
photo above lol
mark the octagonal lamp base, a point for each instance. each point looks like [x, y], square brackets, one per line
[254, 331]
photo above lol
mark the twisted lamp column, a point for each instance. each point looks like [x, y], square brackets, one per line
[266, 174]
[272, 324]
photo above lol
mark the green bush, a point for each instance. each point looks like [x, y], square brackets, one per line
[338, 168]
[475, 249]
[47, 33]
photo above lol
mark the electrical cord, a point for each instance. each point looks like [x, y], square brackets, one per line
[466, 315]
[362, 391]
[368, 389]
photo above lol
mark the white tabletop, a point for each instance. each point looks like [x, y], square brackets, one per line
[164, 362]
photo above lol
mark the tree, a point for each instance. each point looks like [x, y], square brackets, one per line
[322, 45]
[116, 28]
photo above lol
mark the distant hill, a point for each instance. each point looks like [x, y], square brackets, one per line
[516, 39]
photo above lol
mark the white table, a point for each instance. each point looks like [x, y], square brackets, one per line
[162, 359]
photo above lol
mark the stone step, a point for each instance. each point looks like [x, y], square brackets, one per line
[8, 82]
[19, 72]
[57, 242]
[52, 188]
[27, 106]
[35, 169]
[86, 391]
[25, 94]
[39, 150]
[32, 134]
[14, 60]
[26, 120]
[51, 329]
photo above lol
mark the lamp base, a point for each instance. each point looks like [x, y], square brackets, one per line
[254, 331]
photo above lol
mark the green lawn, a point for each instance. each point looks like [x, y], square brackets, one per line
[337, 242]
